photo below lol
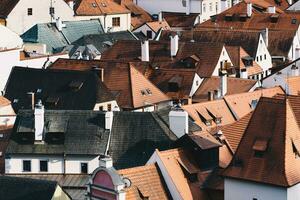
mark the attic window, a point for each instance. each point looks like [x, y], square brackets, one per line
[216, 116]
[296, 149]
[243, 17]
[294, 21]
[205, 117]
[94, 5]
[260, 146]
[103, 4]
[229, 17]
[189, 171]
[146, 92]
[253, 104]
[76, 85]
[274, 18]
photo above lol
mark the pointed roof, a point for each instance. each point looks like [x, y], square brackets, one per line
[270, 148]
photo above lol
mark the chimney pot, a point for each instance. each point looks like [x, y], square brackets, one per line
[174, 45]
[39, 121]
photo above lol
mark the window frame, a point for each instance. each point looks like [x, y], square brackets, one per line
[116, 22]
[29, 11]
[87, 167]
[47, 167]
[23, 165]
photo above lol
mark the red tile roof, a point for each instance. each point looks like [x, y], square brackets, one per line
[272, 130]
[180, 20]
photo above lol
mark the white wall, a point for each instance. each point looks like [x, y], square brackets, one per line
[223, 57]
[196, 6]
[293, 193]
[19, 22]
[7, 116]
[144, 28]
[196, 84]
[114, 106]
[55, 164]
[261, 51]
[246, 190]
[106, 21]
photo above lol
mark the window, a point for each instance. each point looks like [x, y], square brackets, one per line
[100, 108]
[204, 7]
[43, 166]
[257, 58]
[210, 6]
[216, 7]
[265, 56]
[29, 11]
[26, 165]
[149, 34]
[184, 3]
[260, 58]
[109, 107]
[51, 11]
[116, 21]
[84, 168]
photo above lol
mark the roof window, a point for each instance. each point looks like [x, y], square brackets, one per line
[260, 146]
[76, 85]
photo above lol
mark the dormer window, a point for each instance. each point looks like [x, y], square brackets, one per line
[260, 146]
[76, 85]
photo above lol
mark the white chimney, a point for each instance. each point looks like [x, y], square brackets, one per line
[290, 2]
[106, 162]
[267, 37]
[174, 45]
[188, 7]
[145, 51]
[178, 120]
[295, 70]
[59, 24]
[39, 121]
[71, 4]
[249, 9]
[244, 74]
[109, 116]
[160, 16]
[223, 5]
[223, 84]
[272, 9]
[211, 95]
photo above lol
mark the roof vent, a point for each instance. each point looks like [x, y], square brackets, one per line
[274, 18]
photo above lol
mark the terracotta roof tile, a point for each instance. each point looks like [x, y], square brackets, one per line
[146, 182]
[234, 86]
[272, 130]
[98, 7]
[157, 25]
[240, 104]
[293, 84]
[4, 101]
[180, 20]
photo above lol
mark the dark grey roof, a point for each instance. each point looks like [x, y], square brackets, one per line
[73, 184]
[105, 40]
[58, 89]
[84, 133]
[135, 136]
[13, 188]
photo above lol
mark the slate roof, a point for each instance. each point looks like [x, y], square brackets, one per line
[104, 41]
[56, 40]
[73, 184]
[135, 136]
[6, 6]
[272, 130]
[58, 89]
[84, 133]
[24, 188]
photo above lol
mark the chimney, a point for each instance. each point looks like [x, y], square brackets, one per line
[39, 121]
[272, 9]
[223, 84]
[160, 16]
[109, 116]
[223, 5]
[210, 96]
[106, 162]
[59, 24]
[295, 70]
[71, 4]
[217, 94]
[145, 51]
[188, 7]
[178, 119]
[266, 36]
[102, 74]
[249, 9]
[190, 100]
[174, 44]
[244, 73]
